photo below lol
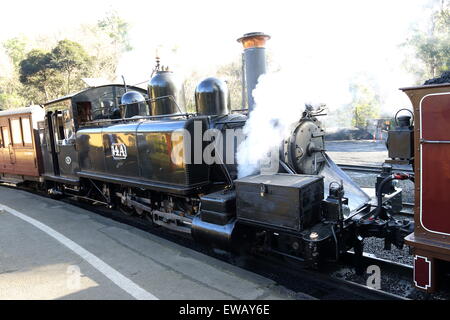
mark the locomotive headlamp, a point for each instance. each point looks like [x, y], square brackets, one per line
[254, 40]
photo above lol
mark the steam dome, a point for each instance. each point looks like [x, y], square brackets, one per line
[167, 94]
[211, 97]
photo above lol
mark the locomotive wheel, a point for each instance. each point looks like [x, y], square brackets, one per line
[139, 211]
[128, 211]
[148, 216]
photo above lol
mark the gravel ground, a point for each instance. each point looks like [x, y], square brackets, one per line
[368, 152]
[376, 247]
[392, 283]
[368, 180]
[372, 153]
[359, 152]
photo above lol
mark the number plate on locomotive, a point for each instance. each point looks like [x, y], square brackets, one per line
[118, 151]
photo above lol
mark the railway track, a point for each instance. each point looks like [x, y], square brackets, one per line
[336, 281]
[370, 169]
[327, 283]
[321, 284]
[318, 284]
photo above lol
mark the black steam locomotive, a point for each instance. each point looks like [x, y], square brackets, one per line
[136, 150]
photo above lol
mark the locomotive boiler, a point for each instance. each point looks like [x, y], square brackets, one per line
[140, 151]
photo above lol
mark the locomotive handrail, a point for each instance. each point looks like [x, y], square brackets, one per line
[171, 115]
[156, 99]
[164, 97]
[435, 141]
[142, 117]
[232, 121]
[240, 110]
[403, 109]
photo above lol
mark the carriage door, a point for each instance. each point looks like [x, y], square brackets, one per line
[45, 129]
[64, 137]
[5, 146]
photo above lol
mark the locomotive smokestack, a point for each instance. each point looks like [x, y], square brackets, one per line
[255, 61]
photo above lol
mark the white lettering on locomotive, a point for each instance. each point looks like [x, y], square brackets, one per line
[118, 151]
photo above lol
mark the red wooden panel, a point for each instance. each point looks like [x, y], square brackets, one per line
[435, 187]
[435, 164]
[435, 112]
[422, 272]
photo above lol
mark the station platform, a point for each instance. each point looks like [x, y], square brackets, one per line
[52, 250]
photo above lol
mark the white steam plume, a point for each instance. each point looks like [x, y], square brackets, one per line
[268, 124]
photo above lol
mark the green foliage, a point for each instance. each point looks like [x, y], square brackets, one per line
[365, 103]
[10, 100]
[105, 41]
[189, 84]
[71, 59]
[15, 49]
[10, 86]
[54, 69]
[432, 47]
[54, 73]
[37, 71]
[232, 74]
[117, 30]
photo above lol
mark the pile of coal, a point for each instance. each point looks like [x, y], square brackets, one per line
[444, 78]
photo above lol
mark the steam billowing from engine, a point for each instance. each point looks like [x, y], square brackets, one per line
[279, 128]
[268, 124]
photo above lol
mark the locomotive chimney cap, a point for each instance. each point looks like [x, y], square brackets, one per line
[254, 40]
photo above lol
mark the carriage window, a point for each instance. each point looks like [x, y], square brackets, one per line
[1, 138]
[5, 133]
[16, 132]
[26, 130]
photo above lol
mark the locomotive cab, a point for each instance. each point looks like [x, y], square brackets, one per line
[64, 117]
